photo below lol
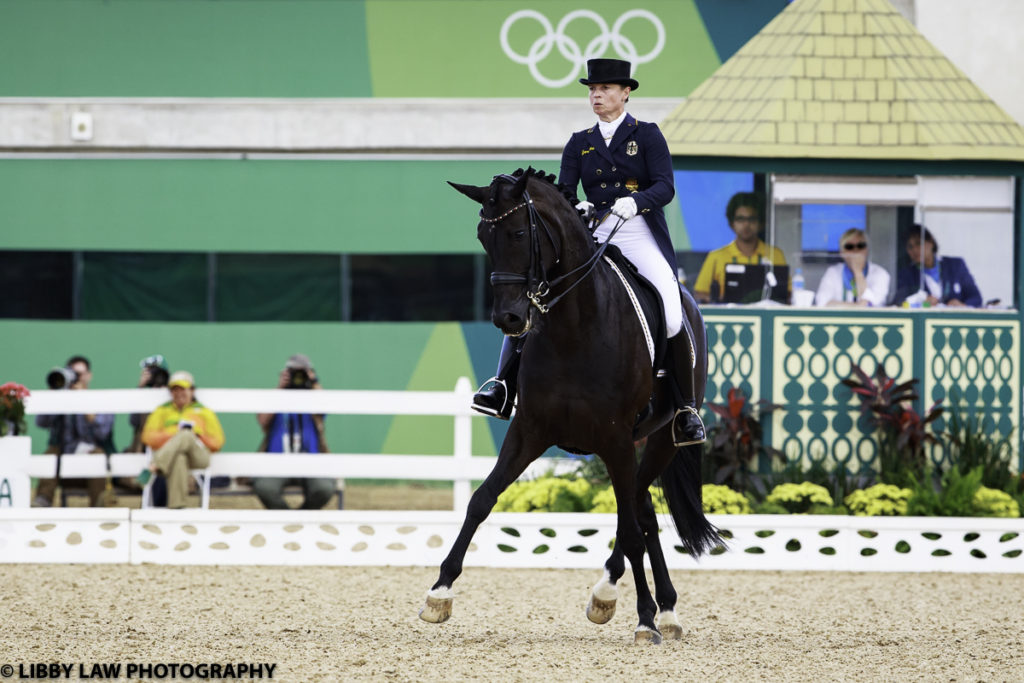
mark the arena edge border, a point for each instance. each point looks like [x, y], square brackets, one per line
[523, 540]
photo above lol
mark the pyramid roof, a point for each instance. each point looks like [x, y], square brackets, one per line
[842, 79]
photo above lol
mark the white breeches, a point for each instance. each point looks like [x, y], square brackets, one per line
[636, 242]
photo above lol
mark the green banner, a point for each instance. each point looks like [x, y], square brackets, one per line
[511, 49]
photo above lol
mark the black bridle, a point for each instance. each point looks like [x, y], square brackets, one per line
[535, 279]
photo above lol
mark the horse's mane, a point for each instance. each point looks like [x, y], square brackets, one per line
[567, 194]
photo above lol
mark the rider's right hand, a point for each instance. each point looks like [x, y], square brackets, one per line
[586, 209]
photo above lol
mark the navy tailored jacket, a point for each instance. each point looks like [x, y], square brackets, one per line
[956, 282]
[636, 164]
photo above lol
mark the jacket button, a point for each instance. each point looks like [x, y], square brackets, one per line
[614, 169]
[598, 171]
[604, 185]
[618, 184]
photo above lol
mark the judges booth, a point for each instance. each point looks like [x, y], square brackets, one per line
[966, 358]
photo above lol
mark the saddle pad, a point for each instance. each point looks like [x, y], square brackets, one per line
[646, 301]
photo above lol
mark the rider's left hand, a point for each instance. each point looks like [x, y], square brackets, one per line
[624, 208]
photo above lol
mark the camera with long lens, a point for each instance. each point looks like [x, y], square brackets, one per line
[299, 378]
[158, 375]
[61, 378]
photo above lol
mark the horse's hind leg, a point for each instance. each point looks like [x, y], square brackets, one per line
[516, 453]
[620, 464]
[656, 455]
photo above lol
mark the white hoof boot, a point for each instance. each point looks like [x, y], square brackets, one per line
[645, 635]
[601, 606]
[438, 607]
[669, 625]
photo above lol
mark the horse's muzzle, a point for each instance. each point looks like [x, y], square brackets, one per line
[512, 324]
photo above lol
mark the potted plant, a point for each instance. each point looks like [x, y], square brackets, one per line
[12, 409]
[736, 439]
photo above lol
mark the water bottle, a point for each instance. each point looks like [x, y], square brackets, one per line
[798, 284]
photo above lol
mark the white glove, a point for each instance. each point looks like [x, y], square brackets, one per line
[624, 208]
[586, 208]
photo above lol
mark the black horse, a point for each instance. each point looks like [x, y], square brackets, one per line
[584, 377]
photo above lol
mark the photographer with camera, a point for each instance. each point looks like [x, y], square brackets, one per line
[182, 434]
[154, 375]
[294, 433]
[73, 434]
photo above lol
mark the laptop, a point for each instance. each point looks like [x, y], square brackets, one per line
[750, 283]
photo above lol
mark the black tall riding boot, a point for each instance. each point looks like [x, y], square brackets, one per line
[497, 400]
[687, 427]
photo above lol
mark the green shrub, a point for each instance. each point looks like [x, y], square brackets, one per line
[879, 500]
[604, 501]
[722, 500]
[799, 498]
[953, 498]
[547, 494]
[993, 503]
[770, 509]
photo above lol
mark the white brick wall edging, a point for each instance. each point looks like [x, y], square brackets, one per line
[534, 540]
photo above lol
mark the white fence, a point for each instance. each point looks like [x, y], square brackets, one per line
[17, 463]
[555, 540]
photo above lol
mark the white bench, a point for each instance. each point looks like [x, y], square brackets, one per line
[461, 467]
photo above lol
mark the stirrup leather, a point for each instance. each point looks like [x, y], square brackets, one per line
[676, 439]
[487, 410]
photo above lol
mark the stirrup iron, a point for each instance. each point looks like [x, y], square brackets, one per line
[683, 440]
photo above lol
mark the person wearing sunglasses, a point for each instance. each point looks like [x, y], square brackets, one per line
[856, 281]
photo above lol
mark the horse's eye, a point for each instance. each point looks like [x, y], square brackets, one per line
[518, 234]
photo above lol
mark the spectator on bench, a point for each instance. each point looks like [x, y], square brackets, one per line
[71, 434]
[294, 433]
[182, 434]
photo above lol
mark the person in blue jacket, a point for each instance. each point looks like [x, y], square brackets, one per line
[945, 279]
[625, 168]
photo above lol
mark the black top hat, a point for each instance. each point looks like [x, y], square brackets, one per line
[609, 71]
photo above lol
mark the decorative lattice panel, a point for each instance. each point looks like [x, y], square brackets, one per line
[818, 420]
[972, 367]
[734, 357]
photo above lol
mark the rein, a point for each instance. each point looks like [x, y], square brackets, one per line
[537, 287]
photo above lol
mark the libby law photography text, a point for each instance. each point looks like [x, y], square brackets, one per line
[114, 670]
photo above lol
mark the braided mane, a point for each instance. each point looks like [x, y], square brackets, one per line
[569, 195]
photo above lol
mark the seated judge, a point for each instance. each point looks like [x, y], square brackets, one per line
[856, 281]
[945, 279]
[746, 217]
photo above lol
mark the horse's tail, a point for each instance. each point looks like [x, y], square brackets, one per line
[681, 483]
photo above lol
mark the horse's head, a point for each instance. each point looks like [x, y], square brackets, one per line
[521, 244]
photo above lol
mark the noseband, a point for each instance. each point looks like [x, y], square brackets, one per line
[535, 279]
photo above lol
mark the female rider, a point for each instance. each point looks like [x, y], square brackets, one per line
[626, 171]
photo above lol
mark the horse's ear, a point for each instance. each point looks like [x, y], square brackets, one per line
[477, 194]
[520, 187]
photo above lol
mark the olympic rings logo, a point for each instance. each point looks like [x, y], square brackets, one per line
[555, 37]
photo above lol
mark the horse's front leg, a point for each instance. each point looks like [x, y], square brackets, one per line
[516, 453]
[620, 463]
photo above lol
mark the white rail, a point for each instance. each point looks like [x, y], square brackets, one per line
[461, 467]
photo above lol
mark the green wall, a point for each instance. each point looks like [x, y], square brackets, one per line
[396, 356]
[300, 206]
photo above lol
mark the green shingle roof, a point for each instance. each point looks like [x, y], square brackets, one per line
[846, 79]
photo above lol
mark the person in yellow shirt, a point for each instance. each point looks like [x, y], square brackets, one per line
[745, 217]
[182, 434]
